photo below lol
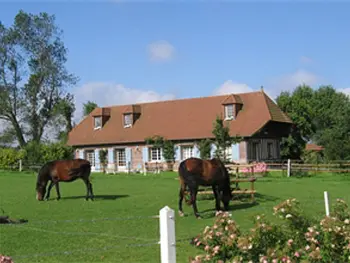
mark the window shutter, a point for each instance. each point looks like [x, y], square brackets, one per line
[196, 152]
[161, 155]
[81, 154]
[110, 155]
[128, 155]
[178, 153]
[145, 154]
[97, 159]
[235, 152]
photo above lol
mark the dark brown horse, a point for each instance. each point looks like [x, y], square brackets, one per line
[63, 171]
[194, 172]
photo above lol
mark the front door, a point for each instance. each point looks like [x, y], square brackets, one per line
[120, 159]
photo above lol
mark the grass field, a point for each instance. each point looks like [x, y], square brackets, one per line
[63, 231]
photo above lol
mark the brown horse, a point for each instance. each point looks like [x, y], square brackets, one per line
[63, 171]
[194, 172]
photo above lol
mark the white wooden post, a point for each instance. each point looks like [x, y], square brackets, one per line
[167, 235]
[20, 165]
[326, 202]
[288, 168]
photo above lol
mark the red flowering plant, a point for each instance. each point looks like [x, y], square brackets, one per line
[5, 259]
[297, 239]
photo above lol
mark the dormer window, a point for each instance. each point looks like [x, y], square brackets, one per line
[98, 122]
[229, 112]
[127, 120]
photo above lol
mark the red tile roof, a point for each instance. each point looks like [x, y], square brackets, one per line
[182, 119]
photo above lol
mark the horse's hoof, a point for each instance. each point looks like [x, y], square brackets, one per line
[181, 214]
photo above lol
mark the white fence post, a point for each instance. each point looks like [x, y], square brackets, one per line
[326, 202]
[288, 168]
[20, 165]
[167, 235]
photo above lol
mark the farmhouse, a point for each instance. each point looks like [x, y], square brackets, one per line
[122, 130]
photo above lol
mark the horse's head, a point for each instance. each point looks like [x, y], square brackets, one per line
[40, 191]
[42, 179]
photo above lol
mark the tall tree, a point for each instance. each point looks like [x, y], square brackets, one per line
[89, 107]
[332, 121]
[65, 110]
[223, 139]
[33, 75]
[298, 106]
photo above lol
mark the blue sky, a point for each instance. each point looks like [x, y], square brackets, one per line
[143, 51]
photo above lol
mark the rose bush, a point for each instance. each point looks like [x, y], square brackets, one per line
[295, 239]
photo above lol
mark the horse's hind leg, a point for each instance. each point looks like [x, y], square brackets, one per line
[88, 189]
[181, 197]
[58, 191]
[194, 191]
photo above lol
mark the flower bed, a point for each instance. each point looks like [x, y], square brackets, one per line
[295, 239]
[258, 168]
[5, 259]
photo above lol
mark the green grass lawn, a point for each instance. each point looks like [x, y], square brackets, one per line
[63, 231]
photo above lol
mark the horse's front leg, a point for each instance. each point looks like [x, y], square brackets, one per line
[217, 198]
[48, 190]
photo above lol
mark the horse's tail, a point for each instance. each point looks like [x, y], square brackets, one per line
[185, 174]
[227, 185]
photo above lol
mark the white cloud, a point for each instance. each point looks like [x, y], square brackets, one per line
[305, 60]
[290, 81]
[345, 91]
[230, 87]
[161, 51]
[109, 94]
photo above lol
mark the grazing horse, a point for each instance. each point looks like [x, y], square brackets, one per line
[63, 171]
[194, 172]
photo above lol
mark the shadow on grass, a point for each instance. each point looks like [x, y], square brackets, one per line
[96, 197]
[238, 202]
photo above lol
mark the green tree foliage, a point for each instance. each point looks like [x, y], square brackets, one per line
[332, 121]
[40, 153]
[297, 105]
[103, 159]
[204, 147]
[321, 116]
[167, 146]
[33, 75]
[223, 139]
[9, 158]
[89, 107]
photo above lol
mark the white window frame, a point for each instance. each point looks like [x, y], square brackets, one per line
[155, 152]
[127, 119]
[119, 155]
[90, 156]
[229, 112]
[96, 124]
[187, 151]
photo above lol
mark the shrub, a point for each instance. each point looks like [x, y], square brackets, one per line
[10, 157]
[295, 239]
